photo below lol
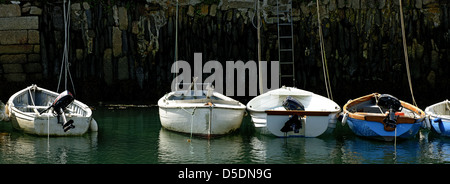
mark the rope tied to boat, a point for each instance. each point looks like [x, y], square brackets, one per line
[376, 100]
[323, 55]
[65, 59]
[395, 146]
[446, 105]
[405, 50]
[192, 120]
[211, 105]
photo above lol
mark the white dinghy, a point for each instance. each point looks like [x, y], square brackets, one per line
[271, 117]
[33, 111]
[39, 111]
[200, 112]
[438, 118]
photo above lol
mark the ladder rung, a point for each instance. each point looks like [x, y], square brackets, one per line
[285, 37]
[285, 24]
[287, 75]
[286, 50]
[284, 11]
[286, 63]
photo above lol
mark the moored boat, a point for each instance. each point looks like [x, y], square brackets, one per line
[200, 112]
[382, 116]
[316, 116]
[39, 111]
[439, 117]
[32, 110]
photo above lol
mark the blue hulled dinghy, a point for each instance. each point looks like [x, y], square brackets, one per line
[383, 117]
[439, 118]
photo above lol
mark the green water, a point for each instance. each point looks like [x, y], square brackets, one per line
[134, 135]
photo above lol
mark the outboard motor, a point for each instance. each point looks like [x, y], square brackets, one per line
[293, 124]
[394, 105]
[291, 103]
[61, 102]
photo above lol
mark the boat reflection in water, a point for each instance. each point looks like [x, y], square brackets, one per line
[269, 149]
[173, 147]
[21, 148]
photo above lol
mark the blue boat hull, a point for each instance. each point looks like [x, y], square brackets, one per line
[440, 126]
[372, 129]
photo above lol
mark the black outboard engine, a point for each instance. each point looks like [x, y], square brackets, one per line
[61, 102]
[291, 103]
[293, 124]
[394, 105]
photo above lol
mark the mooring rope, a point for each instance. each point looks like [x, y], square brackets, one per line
[395, 145]
[65, 58]
[192, 120]
[48, 133]
[324, 58]
[176, 49]
[258, 31]
[405, 50]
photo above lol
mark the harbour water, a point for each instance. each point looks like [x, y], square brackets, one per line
[134, 135]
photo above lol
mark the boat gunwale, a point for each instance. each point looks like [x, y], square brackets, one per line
[431, 112]
[204, 106]
[224, 102]
[300, 112]
[379, 117]
[272, 93]
[14, 109]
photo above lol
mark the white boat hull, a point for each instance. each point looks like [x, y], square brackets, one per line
[203, 117]
[47, 124]
[25, 117]
[438, 119]
[312, 126]
[223, 120]
[259, 120]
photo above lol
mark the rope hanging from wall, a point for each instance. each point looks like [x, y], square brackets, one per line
[405, 50]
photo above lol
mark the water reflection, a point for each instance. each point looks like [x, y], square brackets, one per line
[360, 150]
[268, 149]
[242, 147]
[174, 148]
[21, 148]
[134, 135]
[435, 149]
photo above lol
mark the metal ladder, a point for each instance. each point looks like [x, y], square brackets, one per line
[285, 38]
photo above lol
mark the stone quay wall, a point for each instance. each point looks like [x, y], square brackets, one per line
[20, 42]
[123, 50]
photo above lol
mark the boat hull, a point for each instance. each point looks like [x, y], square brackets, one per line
[440, 126]
[259, 120]
[311, 126]
[439, 118]
[47, 124]
[197, 120]
[375, 130]
[199, 114]
[367, 119]
[24, 107]
[268, 115]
